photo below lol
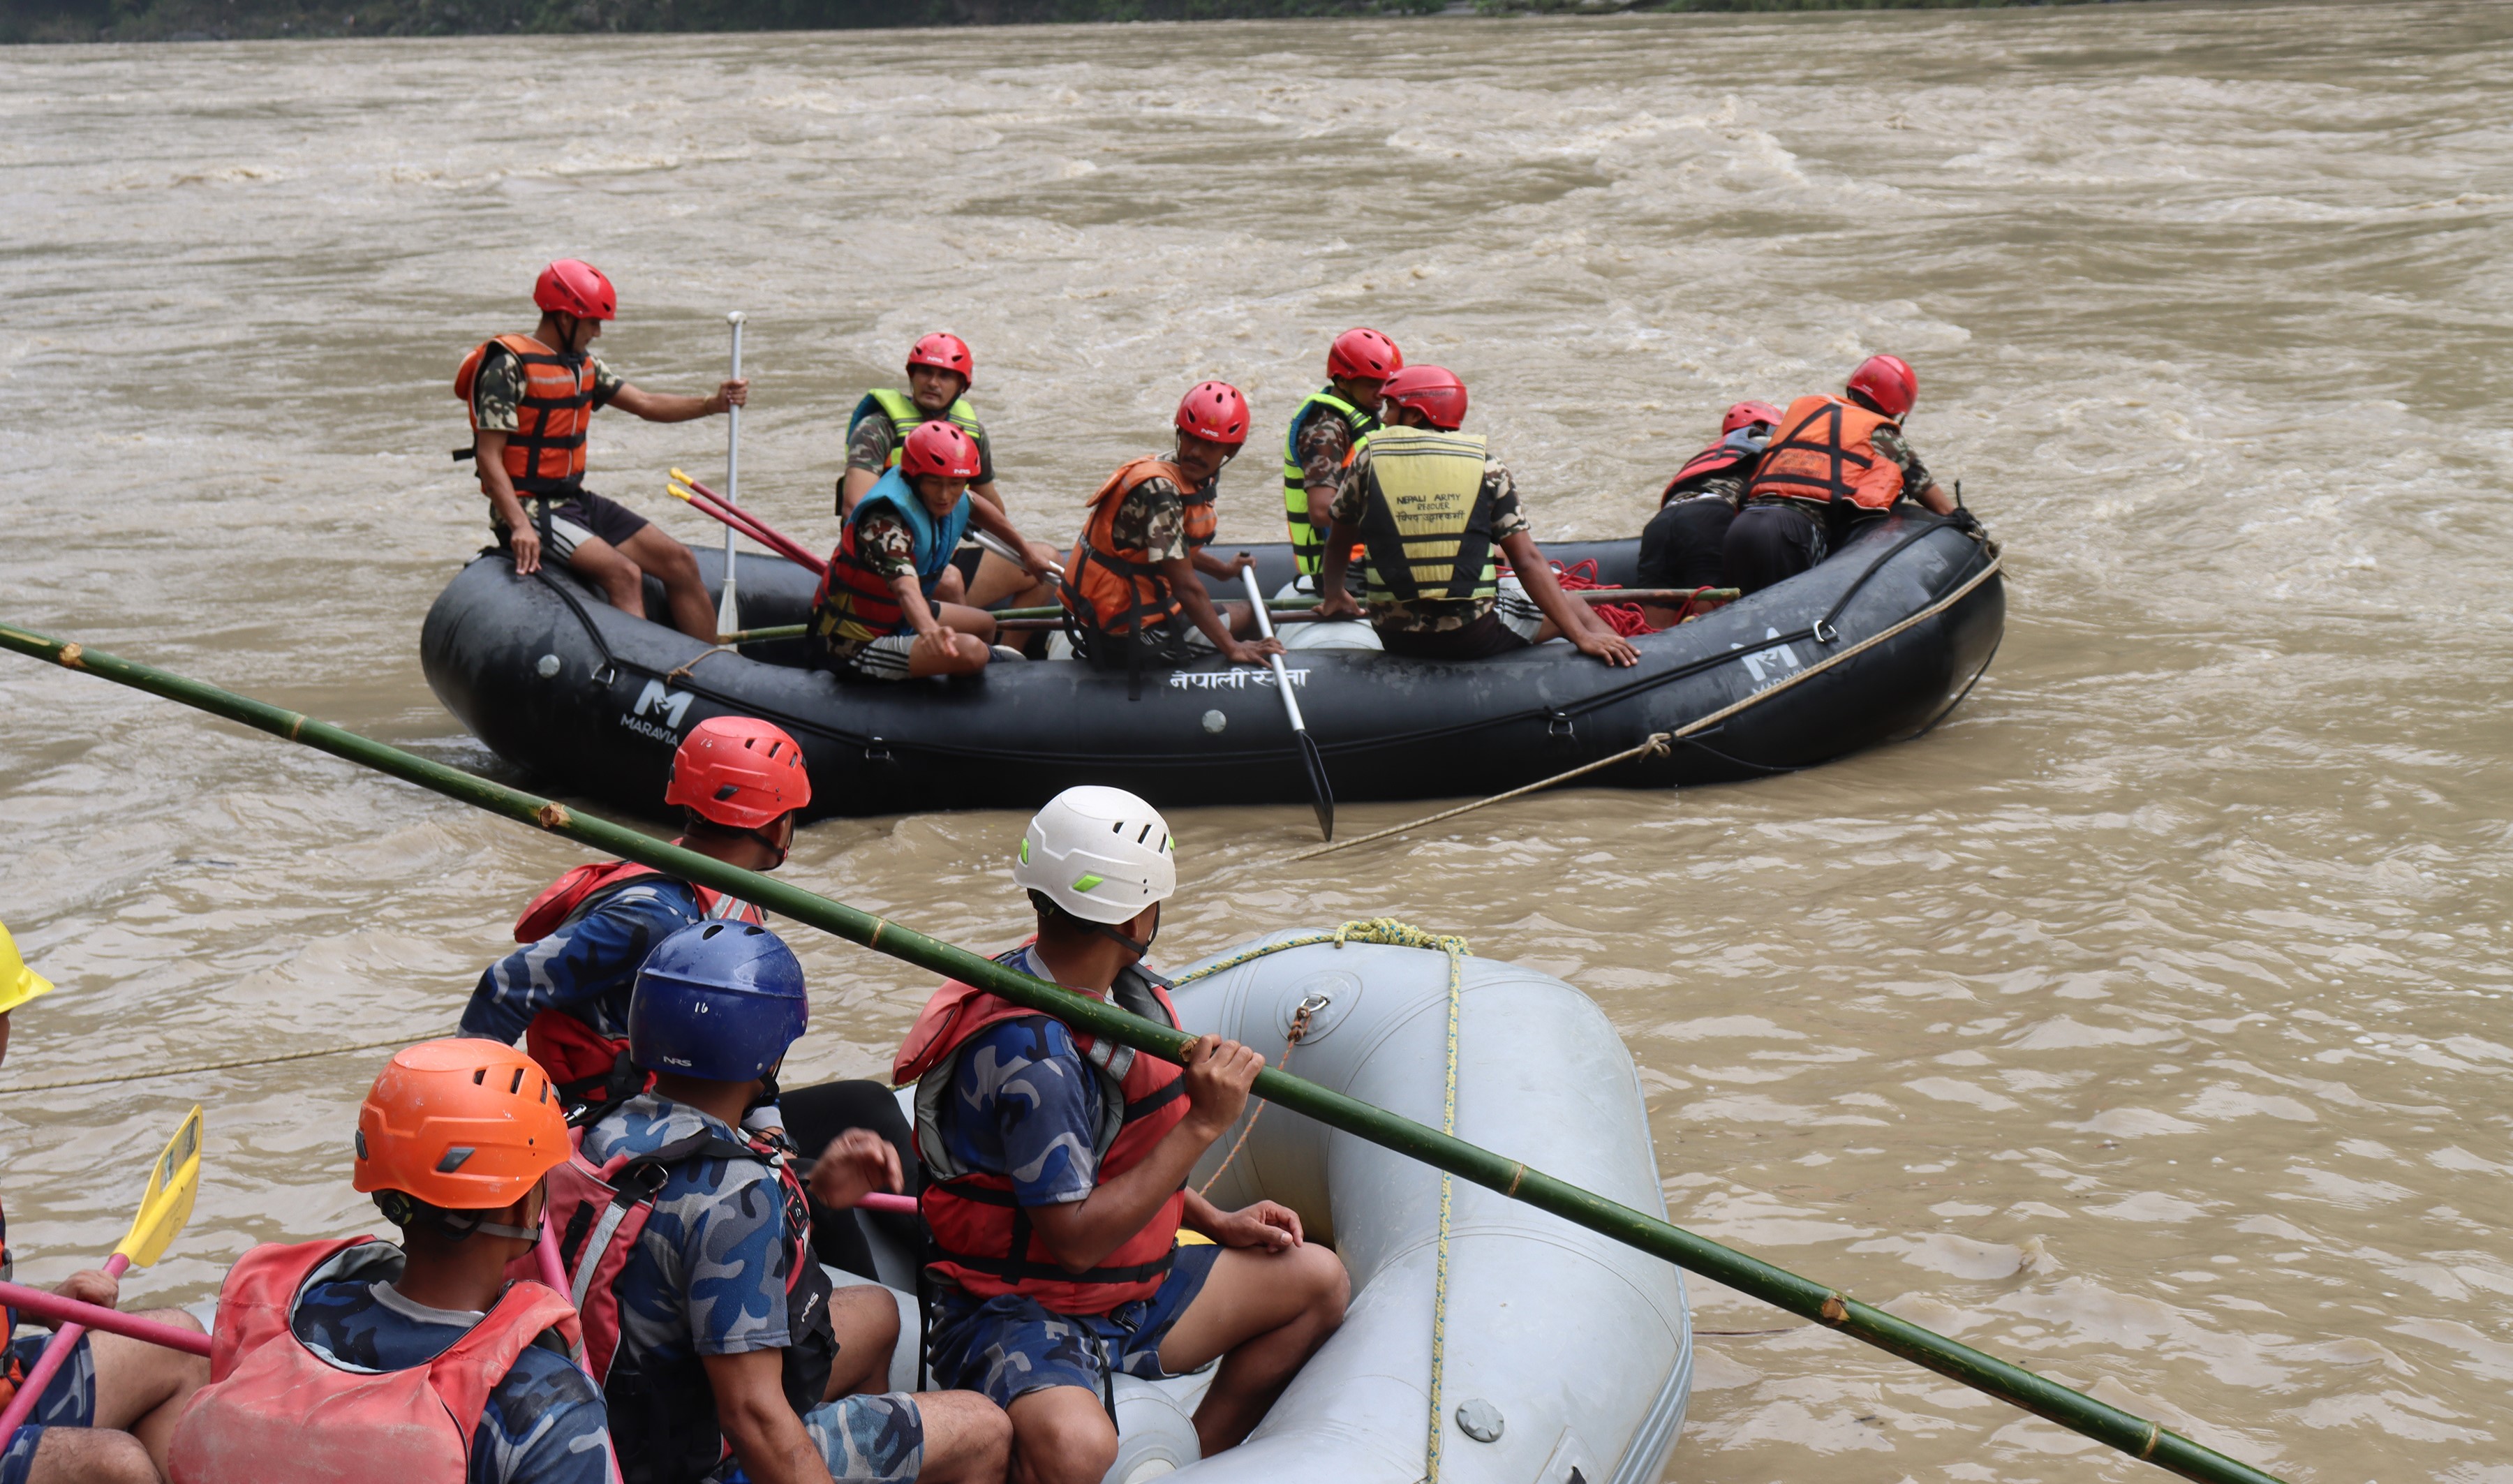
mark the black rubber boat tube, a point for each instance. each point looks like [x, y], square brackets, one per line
[2133, 1436]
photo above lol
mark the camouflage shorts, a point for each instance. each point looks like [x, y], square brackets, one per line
[1008, 1347]
[68, 1401]
[875, 1439]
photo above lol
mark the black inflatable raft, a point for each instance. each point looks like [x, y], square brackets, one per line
[593, 700]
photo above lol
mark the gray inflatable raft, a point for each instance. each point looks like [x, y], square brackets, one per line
[1567, 1358]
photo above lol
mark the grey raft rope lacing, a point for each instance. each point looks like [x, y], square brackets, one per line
[1659, 743]
[1392, 933]
[202, 1066]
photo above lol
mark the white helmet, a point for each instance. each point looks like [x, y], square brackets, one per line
[1100, 854]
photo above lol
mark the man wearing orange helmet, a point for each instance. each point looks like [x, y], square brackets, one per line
[939, 369]
[106, 1414]
[1327, 427]
[1832, 464]
[1132, 596]
[532, 397]
[352, 1358]
[1434, 589]
[737, 783]
[879, 613]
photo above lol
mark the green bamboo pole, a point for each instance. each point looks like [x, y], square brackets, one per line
[2133, 1436]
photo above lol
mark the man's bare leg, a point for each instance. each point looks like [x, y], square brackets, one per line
[1061, 1435]
[865, 1320]
[663, 556]
[1264, 1313]
[602, 564]
[91, 1456]
[141, 1389]
[998, 579]
[968, 1439]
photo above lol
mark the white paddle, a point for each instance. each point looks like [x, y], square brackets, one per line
[728, 613]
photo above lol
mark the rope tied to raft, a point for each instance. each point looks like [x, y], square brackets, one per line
[1660, 742]
[202, 1066]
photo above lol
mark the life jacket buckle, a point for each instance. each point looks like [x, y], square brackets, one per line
[877, 751]
[1560, 724]
[1824, 631]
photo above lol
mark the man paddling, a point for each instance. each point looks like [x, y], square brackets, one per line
[1429, 506]
[1327, 428]
[419, 1361]
[737, 783]
[106, 1414]
[1833, 464]
[1056, 1173]
[532, 397]
[939, 369]
[720, 1342]
[1132, 596]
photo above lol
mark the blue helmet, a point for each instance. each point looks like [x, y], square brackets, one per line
[719, 1001]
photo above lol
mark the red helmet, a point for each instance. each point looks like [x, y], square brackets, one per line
[1215, 412]
[1747, 415]
[940, 449]
[947, 351]
[573, 286]
[1434, 391]
[739, 772]
[1364, 355]
[1889, 381]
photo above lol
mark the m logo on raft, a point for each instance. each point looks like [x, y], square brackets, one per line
[658, 700]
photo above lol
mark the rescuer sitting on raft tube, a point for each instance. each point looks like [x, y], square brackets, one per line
[1434, 589]
[355, 1358]
[718, 1340]
[1131, 577]
[1832, 464]
[105, 1416]
[939, 369]
[531, 398]
[1056, 1171]
[876, 615]
[1329, 425]
[1684, 543]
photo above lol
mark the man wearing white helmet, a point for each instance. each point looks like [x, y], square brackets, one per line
[1055, 1169]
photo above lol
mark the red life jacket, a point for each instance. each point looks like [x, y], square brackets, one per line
[598, 1213]
[982, 1238]
[545, 453]
[583, 1064]
[1113, 589]
[276, 1413]
[10, 1370]
[1718, 458]
[1824, 450]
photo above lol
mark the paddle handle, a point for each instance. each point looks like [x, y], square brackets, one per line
[882, 1200]
[52, 1306]
[1004, 549]
[1266, 630]
[56, 1351]
[728, 613]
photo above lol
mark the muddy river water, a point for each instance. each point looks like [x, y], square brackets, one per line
[2145, 1023]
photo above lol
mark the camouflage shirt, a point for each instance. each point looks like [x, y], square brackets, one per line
[1893, 446]
[1433, 617]
[1153, 519]
[1325, 441]
[870, 441]
[885, 543]
[498, 390]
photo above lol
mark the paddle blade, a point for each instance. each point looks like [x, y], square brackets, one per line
[1321, 793]
[168, 1203]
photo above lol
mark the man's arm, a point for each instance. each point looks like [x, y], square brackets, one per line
[1334, 600]
[1079, 1234]
[572, 965]
[1587, 631]
[523, 538]
[751, 1407]
[854, 485]
[988, 494]
[991, 519]
[1937, 500]
[669, 407]
[909, 590]
[1179, 573]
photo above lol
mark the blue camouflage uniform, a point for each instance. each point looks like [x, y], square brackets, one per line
[68, 1401]
[586, 967]
[1024, 1103]
[707, 1277]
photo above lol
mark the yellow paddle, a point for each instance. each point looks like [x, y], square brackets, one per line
[163, 1208]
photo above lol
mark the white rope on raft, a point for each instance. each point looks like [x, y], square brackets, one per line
[204, 1066]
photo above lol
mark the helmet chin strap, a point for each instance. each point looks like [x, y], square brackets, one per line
[1141, 949]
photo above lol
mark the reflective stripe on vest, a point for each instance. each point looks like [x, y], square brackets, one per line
[1308, 542]
[1113, 589]
[276, 1413]
[982, 1238]
[855, 604]
[905, 417]
[1427, 520]
[1825, 451]
[545, 453]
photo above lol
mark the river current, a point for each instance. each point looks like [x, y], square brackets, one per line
[2144, 1023]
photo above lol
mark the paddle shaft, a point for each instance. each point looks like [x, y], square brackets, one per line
[727, 614]
[1312, 763]
[114, 1321]
[1748, 1274]
[56, 1351]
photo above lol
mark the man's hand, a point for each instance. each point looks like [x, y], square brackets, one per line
[1243, 562]
[1340, 604]
[857, 1163]
[1240, 652]
[525, 542]
[733, 393]
[1608, 646]
[90, 1285]
[1276, 1228]
[1219, 1075]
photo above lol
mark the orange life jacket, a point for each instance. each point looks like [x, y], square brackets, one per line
[1114, 589]
[1824, 450]
[584, 1065]
[545, 453]
[1720, 457]
[982, 1238]
[276, 1413]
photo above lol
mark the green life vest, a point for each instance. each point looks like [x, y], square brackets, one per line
[906, 418]
[1309, 542]
[1427, 523]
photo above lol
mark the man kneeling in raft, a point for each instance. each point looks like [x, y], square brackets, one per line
[876, 615]
[357, 1359]
[1133, 574]
[532, 397]
[1055, 1174]
[1428, 506]
[106, 1414]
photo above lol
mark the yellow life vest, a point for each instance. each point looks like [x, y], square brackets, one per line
[1309, 542]
[1427, 523]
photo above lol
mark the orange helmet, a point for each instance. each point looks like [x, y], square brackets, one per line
[459, 1124]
